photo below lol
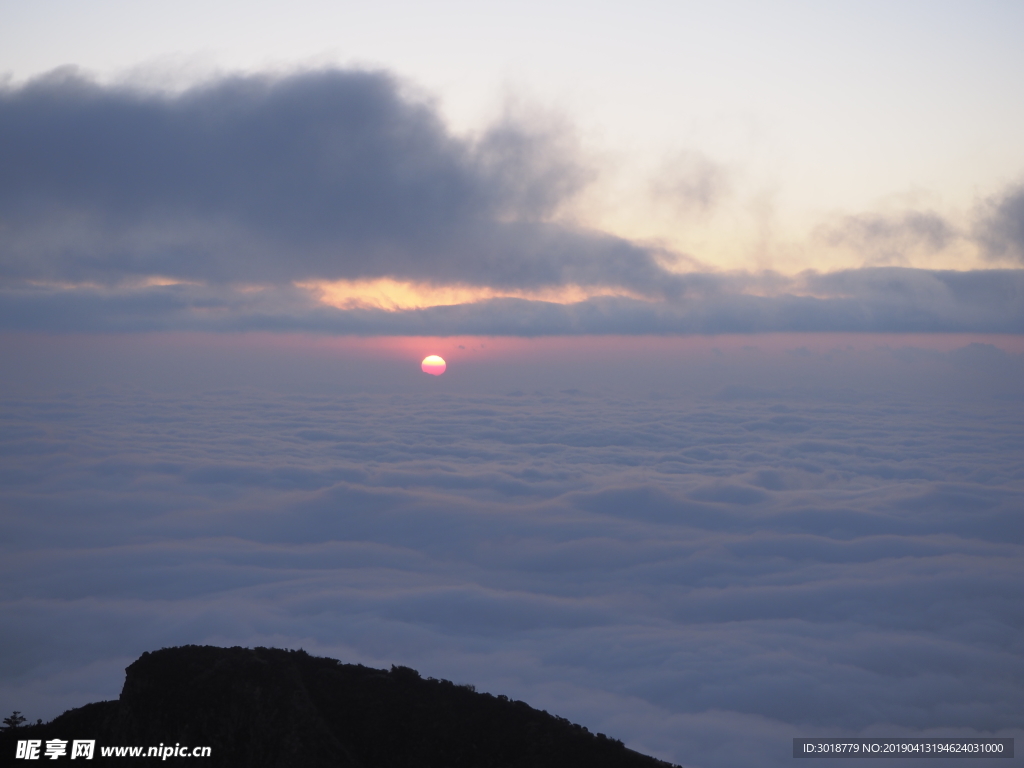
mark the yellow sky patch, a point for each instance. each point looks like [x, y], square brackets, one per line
[390, 294]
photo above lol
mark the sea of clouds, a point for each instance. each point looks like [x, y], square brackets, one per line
[704, 554]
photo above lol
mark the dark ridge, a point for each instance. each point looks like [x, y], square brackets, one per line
[275, 708]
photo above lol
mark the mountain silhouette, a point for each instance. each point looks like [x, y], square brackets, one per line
[272, 708]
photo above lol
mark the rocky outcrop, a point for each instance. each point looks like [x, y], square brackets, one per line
[274, 708]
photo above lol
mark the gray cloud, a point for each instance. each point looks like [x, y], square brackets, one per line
[321, 175]
[891, 239]
[1000, 228]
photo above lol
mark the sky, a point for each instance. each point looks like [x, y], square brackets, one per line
[730, 445]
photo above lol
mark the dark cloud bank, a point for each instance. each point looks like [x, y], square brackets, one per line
[326, 175]
[264, 181]
[760, 549]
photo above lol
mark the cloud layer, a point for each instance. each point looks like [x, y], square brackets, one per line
[884, 299]
[705, 577]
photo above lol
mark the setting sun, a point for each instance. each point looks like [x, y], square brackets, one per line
[434, 365]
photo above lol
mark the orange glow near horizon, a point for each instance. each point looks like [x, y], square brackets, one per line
[387, 293]
[479, 348]
[467, 348]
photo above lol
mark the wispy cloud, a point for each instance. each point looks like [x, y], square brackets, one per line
[890, 239]
[1000, 228]
[690, 183]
